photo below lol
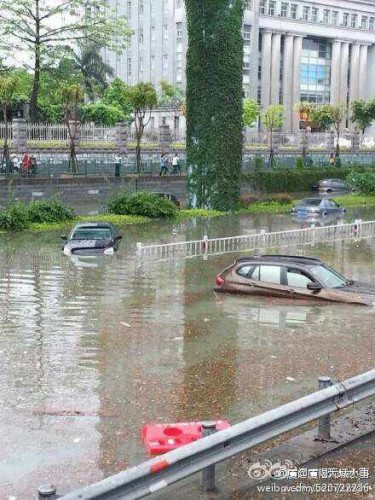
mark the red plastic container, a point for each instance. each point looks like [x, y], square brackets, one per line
[161, 438]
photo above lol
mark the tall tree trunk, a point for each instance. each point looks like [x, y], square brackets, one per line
[6, 135]
[214, 102]
[139, 128]
[36, 78]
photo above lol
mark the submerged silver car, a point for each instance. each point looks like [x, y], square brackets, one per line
[317, 206]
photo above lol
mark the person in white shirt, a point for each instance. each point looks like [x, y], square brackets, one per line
[176, 169]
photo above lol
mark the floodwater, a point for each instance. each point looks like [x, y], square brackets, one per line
[93, 349]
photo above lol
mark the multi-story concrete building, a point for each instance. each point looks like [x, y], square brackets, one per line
[322, 50]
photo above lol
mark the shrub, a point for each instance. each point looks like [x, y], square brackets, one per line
[49, 211]
[146, 204]
[282, 198]
[299, 163]
[14, 217]
[338, 162]
[364, 182]
[258, 163]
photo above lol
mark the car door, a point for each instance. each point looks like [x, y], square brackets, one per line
[262, 279]
[297, 281]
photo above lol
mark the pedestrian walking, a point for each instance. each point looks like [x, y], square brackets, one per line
[163, 164]
[33, 167]
[176, 169]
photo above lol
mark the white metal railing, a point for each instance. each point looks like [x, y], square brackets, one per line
[2, 132]
[294, 237]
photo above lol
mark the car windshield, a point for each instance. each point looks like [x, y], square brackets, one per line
[310, 201]
[328, 277]
[91, 233]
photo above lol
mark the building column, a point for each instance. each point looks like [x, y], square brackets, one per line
[275, 65]
[344, 68]
[297, 54]
[266, 69]
[354, 72]
[362, 93]
[287, 82]
[335, 72]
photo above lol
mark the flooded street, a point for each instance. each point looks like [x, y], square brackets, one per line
[92, 349]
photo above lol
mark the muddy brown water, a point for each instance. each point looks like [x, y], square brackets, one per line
[93, 349]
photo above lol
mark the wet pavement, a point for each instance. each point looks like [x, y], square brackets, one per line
[91, 349]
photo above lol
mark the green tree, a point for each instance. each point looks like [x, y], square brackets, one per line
[71, 100]
[173, 98]
[89, 62]
[250, 112]
[305, 111]
[117, 94]
[337, 113]
[38, 25]
[11, 88]
[273, 119]
[102, 114]
[363, 113]
[142, 98]
[214, 102]
[321, 116]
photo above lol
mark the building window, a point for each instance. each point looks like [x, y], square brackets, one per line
[165, 32]
[178, 4]
[354, 21]
[140, 36]
[129, 10]
[153, 32]
[259, 71]
[326, 13]
[262, 6]
[314, 15]
[335, 17]
[140, 65]
[345, 19]
[284, 9]
[165, 8]
[140, 8]
[179, 32]
[152, 8]
[271, 8]
[306, 13]
[153, 63]
[129, 67]
[293, 11]
[246, 34]
[372, 24]
[247, 4]
[364, 22]
[315, 70]
[165, 64]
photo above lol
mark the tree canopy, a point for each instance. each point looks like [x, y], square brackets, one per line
[363, 113]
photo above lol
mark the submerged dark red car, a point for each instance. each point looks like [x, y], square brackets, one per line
[292, 277]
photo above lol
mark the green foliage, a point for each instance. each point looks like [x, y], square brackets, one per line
[281, 198]
[258, 163]
[14, 217]
[214, 102]
[273, 117]
[171, 96]
[300, 163]
[321, 116]
[49, 211]
[365, 182]
[363, 113]
[102, 114]
[291, 180]
[146, 204]
[117, 94]
[250, 113]
[338, 162]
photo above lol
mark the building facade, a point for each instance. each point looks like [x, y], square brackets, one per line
[322, 51]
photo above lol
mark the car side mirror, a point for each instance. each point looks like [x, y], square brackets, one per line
[315, 287]
[64, 238]
[119, 237]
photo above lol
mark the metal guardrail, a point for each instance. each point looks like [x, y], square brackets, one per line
[202, 455]
[215, 246]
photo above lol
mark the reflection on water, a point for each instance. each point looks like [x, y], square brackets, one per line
[91, 349]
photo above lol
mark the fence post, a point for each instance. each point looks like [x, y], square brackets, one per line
[208, 474]
[47, 491]
[121, 137]
[324, 427]
[19, 134]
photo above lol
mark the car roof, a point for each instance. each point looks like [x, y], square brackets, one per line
[282, 259]
[313, 198]
[93, 225]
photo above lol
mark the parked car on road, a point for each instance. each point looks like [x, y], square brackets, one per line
[317, 206]
[292, 277]
[92, 238]
[332, 186]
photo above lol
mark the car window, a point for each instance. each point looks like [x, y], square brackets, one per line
[328, 277]
[244, 271]
[255, 274]
[95, 233]
[334, 204]
[297, 278]
[270, 274]
[310, 201]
